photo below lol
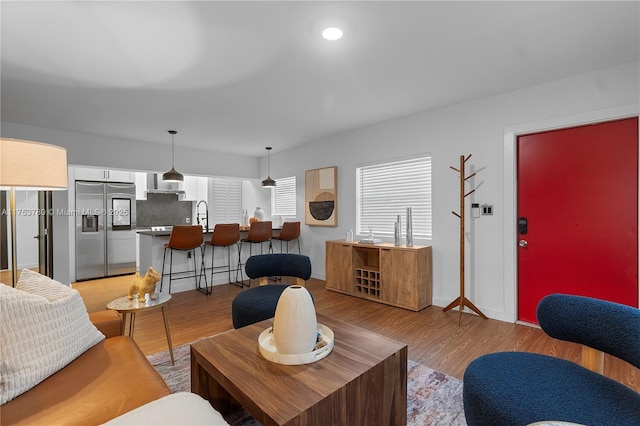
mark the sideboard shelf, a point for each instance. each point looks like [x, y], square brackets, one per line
[395, 275]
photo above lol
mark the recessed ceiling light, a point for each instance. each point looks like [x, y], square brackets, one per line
[332, 33]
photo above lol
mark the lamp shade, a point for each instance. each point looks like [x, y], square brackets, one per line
[172, 176]
[268, 182]
[32, 165]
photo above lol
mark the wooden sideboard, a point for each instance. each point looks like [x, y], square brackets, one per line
[398, 276]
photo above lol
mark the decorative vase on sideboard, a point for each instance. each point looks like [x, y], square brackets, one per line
[409, 228]
[397, 232]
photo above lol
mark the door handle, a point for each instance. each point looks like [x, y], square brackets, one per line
[523, 243]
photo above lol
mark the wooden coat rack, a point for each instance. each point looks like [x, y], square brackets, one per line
[462, 301]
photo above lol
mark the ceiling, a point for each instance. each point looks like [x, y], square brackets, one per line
[238, 76]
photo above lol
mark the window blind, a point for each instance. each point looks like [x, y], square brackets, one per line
[283, 197]
[226, 205]
[385, 190]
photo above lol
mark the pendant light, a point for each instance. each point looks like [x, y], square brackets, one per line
[268, 182]
[172, 175]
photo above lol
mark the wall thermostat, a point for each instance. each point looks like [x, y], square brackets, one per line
[475, 210]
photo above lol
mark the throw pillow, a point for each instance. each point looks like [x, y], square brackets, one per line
[44, 327]
[35, 283]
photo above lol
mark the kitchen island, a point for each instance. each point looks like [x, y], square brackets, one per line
[152, 242]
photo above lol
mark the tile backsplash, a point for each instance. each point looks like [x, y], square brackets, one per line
[162, 209]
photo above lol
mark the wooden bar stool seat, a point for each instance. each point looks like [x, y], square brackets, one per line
[259, 232]
[225, 235]
[290, 231]
[185, 238]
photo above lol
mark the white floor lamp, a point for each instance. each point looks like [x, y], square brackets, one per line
[27, 165]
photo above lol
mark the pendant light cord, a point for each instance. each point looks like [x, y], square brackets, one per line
[268, 162]
[173, 132]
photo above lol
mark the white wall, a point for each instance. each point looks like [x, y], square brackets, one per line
[91, 150]
[255, 195]
[478, 128]
[63, 244]
[27, 227]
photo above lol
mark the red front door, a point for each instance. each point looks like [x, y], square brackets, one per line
[578, 214]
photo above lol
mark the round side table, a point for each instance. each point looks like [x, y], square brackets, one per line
[125, 306]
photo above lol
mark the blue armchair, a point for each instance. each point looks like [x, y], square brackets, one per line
[518, 388]
[259, 303]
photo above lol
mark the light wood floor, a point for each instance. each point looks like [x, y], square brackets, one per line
[433, 336]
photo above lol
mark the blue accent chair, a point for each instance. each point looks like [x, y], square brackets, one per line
[259, 303]
[518, 388]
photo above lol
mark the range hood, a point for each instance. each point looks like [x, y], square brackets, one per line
[155, 185]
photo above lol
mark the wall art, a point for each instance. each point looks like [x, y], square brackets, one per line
[321, 197]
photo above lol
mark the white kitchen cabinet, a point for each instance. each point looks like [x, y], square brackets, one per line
[141, 185]
[103, 175]
[195, 188]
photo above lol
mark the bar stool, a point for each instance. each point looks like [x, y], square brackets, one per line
[259, 232]
[290, 231]
[225, 235]
[185, 238]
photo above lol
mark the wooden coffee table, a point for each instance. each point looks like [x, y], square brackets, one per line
[362, 382]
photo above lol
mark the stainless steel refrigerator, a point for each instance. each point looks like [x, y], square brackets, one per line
[105, 229]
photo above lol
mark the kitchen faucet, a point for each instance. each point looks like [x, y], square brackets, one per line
[206, 214]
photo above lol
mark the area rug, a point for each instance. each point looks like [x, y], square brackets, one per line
[433, 398]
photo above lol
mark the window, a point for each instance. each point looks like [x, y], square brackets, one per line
[385, 190]
[283, 197]
[226, 203]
